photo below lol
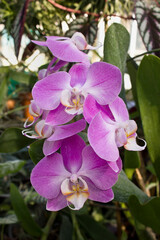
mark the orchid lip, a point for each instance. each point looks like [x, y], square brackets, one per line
[73, 101]
[75, 190]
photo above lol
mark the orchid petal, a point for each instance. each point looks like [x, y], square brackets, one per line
[78, 200]
[91, 108]
[79, 40]
[101, 136]
[66, 50]
[103, 82]
[58, 116]
[56, 204]
[48, 175]
[68, 130]
[78, 74]
[47, 91]
[97, 169]
[97, 194]
[133, 146]
[50, 147]
[116, 166]
[119, 110]
[71, 151]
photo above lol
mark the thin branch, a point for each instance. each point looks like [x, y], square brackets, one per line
[151, 51]
[98, 15]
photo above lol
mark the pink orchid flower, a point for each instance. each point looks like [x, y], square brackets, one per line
[68, 49]
[72, 177]
[110, 128]
[101, 80]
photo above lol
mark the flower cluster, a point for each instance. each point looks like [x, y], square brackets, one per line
[78, 172]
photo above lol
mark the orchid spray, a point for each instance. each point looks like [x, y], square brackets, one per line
[63, 102]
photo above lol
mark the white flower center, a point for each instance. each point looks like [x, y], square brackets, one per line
[73, 101]
[76, 191]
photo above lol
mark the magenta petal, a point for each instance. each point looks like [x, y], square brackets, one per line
[71, 151]
[116, 166]
[50, 147]
[103, 82]
[47, 92]
[68, 130]
[58, 116]
[97, 169]
[97, 194]
[78, 74]
[119, 110]
[48, 174]
[40, 43]
[66, 51]
[56, 204]
[101, 136]
[91, 108]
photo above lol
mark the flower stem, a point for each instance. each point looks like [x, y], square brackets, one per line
[48, 226]
[76, 230]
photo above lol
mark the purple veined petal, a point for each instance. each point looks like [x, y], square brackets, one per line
[103, 82]
[116, 166]
[48, 175]
[47, 92]
[56, 204]
[101, 136]
[71, 151]
[50, 147]
[97, 194]
[132, 144]
[65, 131]
[66, 51]
[91, 108]
[97, 169]
[58, 116]
[78, 74]
[119, 110]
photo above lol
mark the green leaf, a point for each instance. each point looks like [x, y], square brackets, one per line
[3, 92]
[66, 229]
[11, 167]
[10, 219]
[115, 48]
[148, 89]
[35, 151]
[95, 229]
[23, 213]
[124, 188]
[12, 140]
[148, 213]
[131, 161]
[22, 77]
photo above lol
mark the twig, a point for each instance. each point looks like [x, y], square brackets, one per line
[98, 15]
[141, 182]
[153, 50]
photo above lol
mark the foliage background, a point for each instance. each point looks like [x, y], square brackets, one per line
[135, 211]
